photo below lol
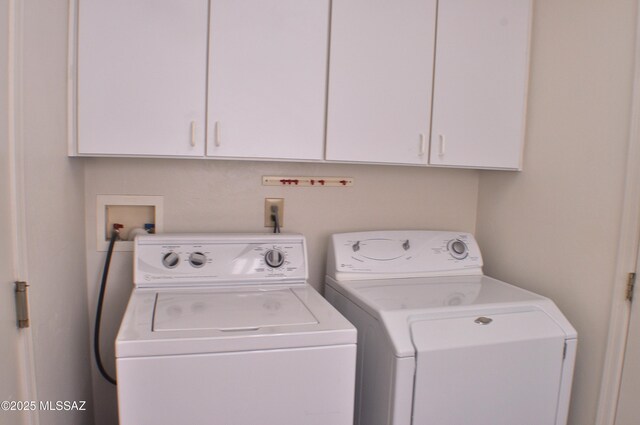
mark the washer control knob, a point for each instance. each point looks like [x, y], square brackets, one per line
[170, 260]
[406, 245]
[197, 259]
[458, 249]
[356, 246]
[274, 258]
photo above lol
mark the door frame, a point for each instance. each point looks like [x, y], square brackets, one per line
[26, 367]
[627, 259]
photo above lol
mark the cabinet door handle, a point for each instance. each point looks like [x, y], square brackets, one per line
[423, 145]
[216, 134]
[443, 145]
[193, 134]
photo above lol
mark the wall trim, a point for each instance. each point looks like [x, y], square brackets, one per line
[627, 260]
[72, 72]
[26, 368]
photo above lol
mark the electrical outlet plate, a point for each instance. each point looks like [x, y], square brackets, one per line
[132, 211]
[268, 202]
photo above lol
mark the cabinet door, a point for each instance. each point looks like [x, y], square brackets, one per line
[380, 80]
[142, 77]
[267, 78]
[481, 72]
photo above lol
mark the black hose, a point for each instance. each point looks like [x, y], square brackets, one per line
[96, 330]
[275, 219]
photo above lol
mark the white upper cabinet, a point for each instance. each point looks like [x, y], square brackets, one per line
[480, 87]
[267, 78]
[380, 80]
[419, 82]
[142, 77]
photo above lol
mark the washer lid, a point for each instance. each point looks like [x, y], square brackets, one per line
[228, 319]
[229, 311]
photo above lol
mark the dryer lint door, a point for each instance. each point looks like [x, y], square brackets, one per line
[498, 369]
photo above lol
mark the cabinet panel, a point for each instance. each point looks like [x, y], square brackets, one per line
[142, 77]
[380, 80]
[267, 78]
[481, 72]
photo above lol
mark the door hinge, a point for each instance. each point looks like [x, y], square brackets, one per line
[631, 283]
[22, 305]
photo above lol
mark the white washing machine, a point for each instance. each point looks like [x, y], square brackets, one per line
[225, 330]
[439, 343]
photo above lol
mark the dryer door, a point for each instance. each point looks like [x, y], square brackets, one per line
[498, 369]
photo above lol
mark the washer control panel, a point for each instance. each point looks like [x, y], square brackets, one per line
[416, 253]
[207, 259]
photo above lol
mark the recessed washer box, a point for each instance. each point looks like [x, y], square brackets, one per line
[133, 211]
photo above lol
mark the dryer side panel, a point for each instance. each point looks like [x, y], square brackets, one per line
[384, 382]
[503, 369]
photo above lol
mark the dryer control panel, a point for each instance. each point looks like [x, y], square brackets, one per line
[415, 253]
[165, 260]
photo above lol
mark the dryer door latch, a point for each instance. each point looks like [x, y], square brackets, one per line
[483, 320]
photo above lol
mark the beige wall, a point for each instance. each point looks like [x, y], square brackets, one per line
[553, 228]
[54, 194]
[226, 196]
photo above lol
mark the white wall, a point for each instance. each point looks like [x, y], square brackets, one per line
[54, 193]
[226, 196]
[553, 228]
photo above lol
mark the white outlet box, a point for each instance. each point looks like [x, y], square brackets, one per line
[278, 202]
[129, 210]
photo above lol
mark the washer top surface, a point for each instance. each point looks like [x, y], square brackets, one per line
[222, 319]
[230, 311]
[217, 293]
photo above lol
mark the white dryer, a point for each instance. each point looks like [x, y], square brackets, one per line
[224, 329]
[439, 343]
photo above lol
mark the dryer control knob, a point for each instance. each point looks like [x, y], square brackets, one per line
[458, 249]
[274, 258]
[197, 259]
[170, 260]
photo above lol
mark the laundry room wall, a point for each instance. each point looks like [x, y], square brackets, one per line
[553, 228]
[228, 196]
[52, 210]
